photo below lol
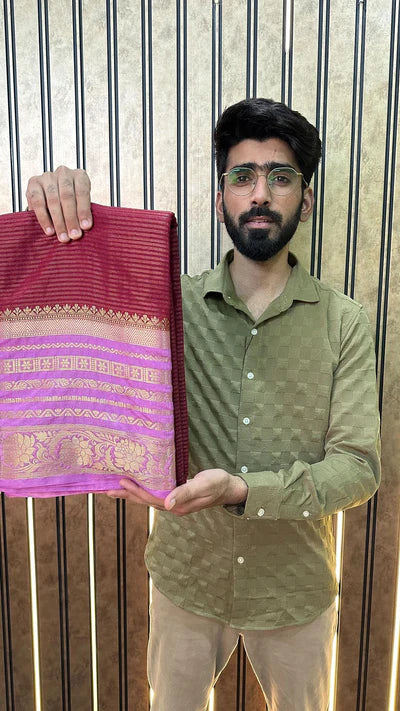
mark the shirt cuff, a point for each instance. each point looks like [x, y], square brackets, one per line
[264, 497]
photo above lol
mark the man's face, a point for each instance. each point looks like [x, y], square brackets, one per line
[261, 224]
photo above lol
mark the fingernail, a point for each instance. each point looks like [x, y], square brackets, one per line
[171, 504]
[63, 237]
[75, 233]
[49, 230]
[85, 224]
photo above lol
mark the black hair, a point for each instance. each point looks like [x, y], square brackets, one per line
[260, 119]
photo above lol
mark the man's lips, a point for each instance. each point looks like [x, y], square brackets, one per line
[259, 222]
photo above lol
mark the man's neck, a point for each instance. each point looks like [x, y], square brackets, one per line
[259, 283]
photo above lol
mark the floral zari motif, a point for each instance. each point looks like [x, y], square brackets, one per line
[79, 412]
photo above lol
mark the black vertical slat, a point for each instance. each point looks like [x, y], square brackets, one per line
[79, 91]
[283, 54]
[178, 121]
[144, 103]
[110, 104]
[355, 149]
[213, 122]
[12, 101]
[6, 613]
[216, 103]
[147, 105]
[255, 47]
[287, 54]
[388, 198]
[290, 63]
[185, 138]
[321, 125]
[219, 109]
[251, 48]
[45, 105]
[94, 567]
[241, 676]
[65, 665]
[48, 83]
[182, 130]
[122, 605]
[248, 50]
[116, 105]
[239, 666]
[151, 141]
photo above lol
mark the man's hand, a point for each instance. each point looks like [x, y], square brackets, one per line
[61, 202]
[211, 487]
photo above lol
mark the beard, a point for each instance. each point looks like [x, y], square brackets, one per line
[258, 243]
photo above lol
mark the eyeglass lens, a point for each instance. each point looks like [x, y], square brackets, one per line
[281, 181]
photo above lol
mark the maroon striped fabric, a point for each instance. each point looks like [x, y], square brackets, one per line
[121, 278]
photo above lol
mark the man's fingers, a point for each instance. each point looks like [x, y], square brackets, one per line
[82, 194]
[37, 201]
[140, 495]
[61, 201]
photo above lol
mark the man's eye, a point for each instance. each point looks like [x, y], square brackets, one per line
[240, 178]
[280, 178]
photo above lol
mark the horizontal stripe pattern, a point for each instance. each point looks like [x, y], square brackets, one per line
[89, 341]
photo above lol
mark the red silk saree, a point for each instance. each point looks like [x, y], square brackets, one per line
[91, 356]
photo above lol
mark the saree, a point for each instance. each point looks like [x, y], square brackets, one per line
[92, 385]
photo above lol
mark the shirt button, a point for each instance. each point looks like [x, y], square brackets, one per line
[244, 470]
[250, 375]
[306, 514]
[240, 560]
[260, 512]
[254, 331]
[246, 420]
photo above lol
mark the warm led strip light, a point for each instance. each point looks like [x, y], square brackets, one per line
[335, 647]
[34, 603]
[92, 598]
[394, 671]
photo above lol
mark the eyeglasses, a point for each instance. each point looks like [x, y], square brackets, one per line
[281, 181]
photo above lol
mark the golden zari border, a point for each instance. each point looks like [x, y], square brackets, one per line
[87, 413]
[33, 453]
[86, 398]
[86, 383]
[32, 347]
[84, 320]
[101, 366]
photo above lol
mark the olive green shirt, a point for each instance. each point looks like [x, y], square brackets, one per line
[288, 402]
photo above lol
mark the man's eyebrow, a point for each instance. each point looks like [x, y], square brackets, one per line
[264, 166]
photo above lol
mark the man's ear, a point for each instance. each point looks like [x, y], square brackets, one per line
[218, 206]
[307, 205]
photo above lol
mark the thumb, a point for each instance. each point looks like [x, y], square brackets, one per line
[178, 496]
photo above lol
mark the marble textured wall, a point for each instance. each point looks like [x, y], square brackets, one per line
[130, 89]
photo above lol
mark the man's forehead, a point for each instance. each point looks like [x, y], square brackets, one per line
[269, 152]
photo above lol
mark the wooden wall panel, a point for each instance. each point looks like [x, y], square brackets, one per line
[131, 89]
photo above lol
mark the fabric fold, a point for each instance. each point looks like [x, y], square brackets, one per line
[92, 385]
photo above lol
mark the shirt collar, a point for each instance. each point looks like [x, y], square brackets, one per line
[300, 285]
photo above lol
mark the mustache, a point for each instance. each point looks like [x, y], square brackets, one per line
[259, 212]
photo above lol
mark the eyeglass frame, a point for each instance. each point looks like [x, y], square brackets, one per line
[266, 175]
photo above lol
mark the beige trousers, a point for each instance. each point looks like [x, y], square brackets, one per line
[187, 652]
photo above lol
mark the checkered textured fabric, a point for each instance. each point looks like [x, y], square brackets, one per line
[289, 404]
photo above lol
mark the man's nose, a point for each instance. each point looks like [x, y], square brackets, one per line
[261, 193]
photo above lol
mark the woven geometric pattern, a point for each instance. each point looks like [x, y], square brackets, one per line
[91, 356]
[287, 402]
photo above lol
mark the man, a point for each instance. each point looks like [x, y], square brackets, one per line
[283, 430]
